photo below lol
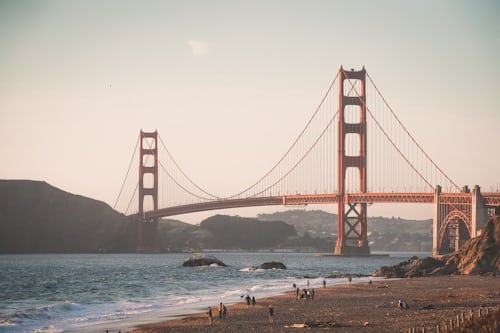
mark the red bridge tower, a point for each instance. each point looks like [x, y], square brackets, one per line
[352, 217]
[147, 229]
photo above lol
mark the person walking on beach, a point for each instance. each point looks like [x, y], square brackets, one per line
[224, 311]
[324, 283]
[253, 301]
[271, 313]
[209, 313]
[248, 300]
[350, 279]
[219, 308]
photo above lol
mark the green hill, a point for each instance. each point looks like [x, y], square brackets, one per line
[384, 234]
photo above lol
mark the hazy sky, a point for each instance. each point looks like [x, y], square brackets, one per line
[230, 84]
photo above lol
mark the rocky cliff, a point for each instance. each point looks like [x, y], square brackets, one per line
[480, 255]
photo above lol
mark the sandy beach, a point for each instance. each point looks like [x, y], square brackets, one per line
[357, 307]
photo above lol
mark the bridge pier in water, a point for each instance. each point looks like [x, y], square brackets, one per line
[352, 231]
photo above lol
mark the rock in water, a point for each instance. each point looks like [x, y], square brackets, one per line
[272, 265]
[202, 260]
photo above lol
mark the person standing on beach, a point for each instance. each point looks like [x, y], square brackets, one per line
[219, 308]
[271, 313]
[209, 313]
[324, 283]
[224, 311]
[253, 301]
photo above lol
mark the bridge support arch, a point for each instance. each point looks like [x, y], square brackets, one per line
[352, 235]
[147, 229]
[457, 218]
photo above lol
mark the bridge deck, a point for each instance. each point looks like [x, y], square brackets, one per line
[299, 199]
[491, 199]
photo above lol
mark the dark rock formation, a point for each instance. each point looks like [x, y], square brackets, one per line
[480, 255]
[203, 260]
[410, 268]
[272, 265]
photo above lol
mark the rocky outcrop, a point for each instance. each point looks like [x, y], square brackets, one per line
[203, 260]
[272, 265]
[480, 255]
[412, 268]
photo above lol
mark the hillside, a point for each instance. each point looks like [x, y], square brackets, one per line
[36, 217]
[246, 233]
[384, 234]
[225, 233]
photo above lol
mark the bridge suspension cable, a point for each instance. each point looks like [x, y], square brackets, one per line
[300, 160]
[405, 153]
[288, 152]
[411, 136]
[127, 173]
[184, 188]
[210, 195]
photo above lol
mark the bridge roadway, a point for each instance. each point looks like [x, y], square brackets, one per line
[490, 199]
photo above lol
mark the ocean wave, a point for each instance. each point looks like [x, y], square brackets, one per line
[191, 299]
[254, 269]
[4, 322]
[48, 329]
[38, 314]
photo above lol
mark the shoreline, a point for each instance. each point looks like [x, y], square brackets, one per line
[349, 308]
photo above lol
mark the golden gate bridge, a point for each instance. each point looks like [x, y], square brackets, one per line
[353, 152]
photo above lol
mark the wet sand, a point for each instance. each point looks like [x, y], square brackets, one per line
[360, 307]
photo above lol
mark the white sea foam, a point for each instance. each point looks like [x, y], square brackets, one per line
[48, 329]
[7, 322]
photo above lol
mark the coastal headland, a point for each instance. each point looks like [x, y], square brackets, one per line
[356, 307]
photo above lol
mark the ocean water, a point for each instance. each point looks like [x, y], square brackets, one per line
[94, 292]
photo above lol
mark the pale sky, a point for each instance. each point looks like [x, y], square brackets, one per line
[230, 84]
